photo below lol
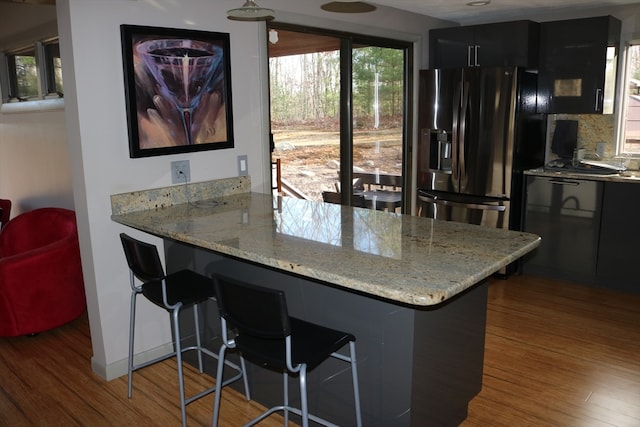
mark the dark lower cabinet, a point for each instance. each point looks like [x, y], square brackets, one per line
[565, 213]
[618, 254]
[589, 231]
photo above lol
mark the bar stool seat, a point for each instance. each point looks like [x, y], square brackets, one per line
[172, 292]
[266, 335]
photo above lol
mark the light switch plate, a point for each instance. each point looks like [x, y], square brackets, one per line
[243, 165]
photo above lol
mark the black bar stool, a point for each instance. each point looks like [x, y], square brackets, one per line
[266, 335]
[171, 292]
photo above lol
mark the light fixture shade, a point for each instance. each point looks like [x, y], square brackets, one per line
[250, 11]
[348, 7]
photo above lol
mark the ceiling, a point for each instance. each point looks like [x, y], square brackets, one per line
[497, 10]
[458, 10]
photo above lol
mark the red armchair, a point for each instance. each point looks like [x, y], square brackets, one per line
[41, 285]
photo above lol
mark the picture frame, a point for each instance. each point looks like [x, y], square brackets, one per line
[178, 90]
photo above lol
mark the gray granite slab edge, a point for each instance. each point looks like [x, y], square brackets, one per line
[164, 197]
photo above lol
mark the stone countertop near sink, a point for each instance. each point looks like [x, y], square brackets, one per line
[408, 259]
[629, 176]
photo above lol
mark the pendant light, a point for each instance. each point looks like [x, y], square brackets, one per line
[348, 7]
[250, 11]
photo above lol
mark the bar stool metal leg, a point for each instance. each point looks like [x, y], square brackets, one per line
[132, 319]
[285, 381]
[303, 395]
[178, 349]
[216, 404]
[356, 388]
[196, 310]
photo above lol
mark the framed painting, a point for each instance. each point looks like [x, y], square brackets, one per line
[178, 90]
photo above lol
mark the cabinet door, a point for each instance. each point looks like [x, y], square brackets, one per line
[449, 47]
[489, 45]
[578, 61]
[565, 213]
[507, 44]
[620, 237]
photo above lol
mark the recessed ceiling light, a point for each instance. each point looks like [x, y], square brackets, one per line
[479, 3]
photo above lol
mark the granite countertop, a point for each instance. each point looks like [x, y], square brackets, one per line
[404, 258]
[630, 176]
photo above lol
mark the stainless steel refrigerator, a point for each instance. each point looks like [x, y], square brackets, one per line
[478, 132]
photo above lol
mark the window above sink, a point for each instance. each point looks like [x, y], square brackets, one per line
[629, 117]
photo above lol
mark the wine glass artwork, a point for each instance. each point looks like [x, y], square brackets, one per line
[184, 70]
[177, 90]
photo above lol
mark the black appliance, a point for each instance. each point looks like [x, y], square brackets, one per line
[565, 138]
[478, 132]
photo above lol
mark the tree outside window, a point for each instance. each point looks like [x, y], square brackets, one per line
[23, 75]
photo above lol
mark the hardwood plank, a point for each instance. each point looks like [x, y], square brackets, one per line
[558, 353]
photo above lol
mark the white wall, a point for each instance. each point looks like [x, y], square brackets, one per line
[34, 160]
[37, 139]
[97, 133]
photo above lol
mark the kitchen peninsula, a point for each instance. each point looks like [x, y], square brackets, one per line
[412, 290]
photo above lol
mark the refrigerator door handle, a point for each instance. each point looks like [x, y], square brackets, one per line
[455, 137]
[483, 206]
[463, 134]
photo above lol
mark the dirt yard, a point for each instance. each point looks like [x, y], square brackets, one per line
[310, 159]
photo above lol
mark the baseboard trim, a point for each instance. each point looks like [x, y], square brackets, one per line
[119, 368]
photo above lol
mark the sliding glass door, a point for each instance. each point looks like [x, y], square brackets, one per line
[338, 114]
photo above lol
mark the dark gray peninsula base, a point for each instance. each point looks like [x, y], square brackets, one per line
[418, 366]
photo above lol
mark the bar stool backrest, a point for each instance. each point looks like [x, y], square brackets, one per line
[253, 310]
[143, 259]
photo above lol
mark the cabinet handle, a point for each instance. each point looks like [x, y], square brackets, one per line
[555, 182]
[469, 48]
[476, 55]
[598, 92]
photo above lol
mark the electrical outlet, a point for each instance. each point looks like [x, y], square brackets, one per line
[243, 165]
[180, 172]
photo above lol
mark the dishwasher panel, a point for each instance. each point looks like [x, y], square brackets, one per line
[566, 214]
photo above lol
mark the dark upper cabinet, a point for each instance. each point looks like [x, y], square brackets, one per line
[577, 65]
[488, 45]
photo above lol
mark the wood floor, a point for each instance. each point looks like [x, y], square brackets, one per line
[557, 354]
